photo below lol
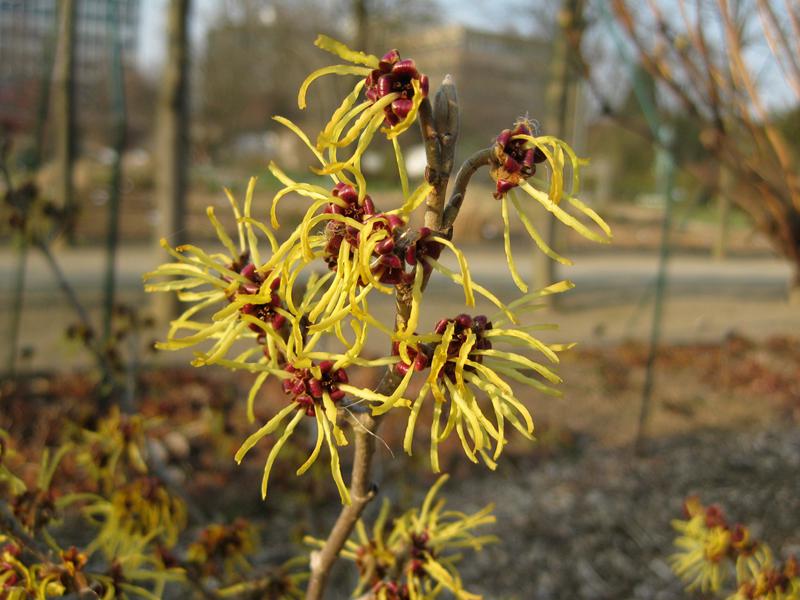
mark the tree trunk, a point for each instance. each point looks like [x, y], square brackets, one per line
[561, 87]
[361, 18]
[723, 213]
[794, 285]
[172, 143]
[65, 112]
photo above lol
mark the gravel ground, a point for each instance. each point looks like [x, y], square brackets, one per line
[598, 526]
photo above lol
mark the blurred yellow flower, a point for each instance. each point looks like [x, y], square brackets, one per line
[414, 558]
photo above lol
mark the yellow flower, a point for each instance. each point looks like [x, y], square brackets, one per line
[228, 545]
[515, 155]
[468, 382]
[394, 91]
[367, 249]
[136, 515]
[281, 582]
[252, 292]
[759, 577]
[415, 558]
[316, 383]
[705, 543]
[117, 442]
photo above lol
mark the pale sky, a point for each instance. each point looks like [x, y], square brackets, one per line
[508, 15]
[481, 14]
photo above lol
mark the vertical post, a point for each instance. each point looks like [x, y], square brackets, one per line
[561, 86]
[65, 111]
[15, 315]
[172, 142]
[665, 174]
[119, 128]
[361, 18]
[724, 190]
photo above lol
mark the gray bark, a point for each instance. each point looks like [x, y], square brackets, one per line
[172, 143]
[65, 111]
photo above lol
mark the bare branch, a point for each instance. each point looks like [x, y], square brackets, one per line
[465, 173]
[439, 128]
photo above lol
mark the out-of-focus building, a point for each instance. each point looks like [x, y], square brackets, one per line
[499, 76]
[28, 32]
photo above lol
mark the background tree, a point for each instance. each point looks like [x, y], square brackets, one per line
[65, 110]
[709, 74]
[172, 138]
[561, 98]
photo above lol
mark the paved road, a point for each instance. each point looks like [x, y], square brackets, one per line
[607, 277]
[706, 299]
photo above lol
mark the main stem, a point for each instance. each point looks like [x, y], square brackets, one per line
[439, 127]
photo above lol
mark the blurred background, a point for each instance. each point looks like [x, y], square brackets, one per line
[121, 120]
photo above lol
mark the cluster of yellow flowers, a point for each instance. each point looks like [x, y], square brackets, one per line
[132, 524]
[711, 551]
[273, 313]
[414, 556]
[226, 544]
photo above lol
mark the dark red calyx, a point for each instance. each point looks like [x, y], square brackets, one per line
[405, 68]
[419, 356]
[462, 325]
[388, 59]
[395, 76]
[308, 390]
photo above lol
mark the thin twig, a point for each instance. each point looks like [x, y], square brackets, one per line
[465, 173]
[73, 300]
[11, 525]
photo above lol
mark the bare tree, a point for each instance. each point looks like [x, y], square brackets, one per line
[172, 138]
[698, 55]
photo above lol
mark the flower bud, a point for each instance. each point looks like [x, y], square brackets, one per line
[394, 221]
[392, 261]
[441, 326]
[405, 68]
[315, 388]
[424, 84]
[401, 107]
[385, 246]
[481, 323]
[304, 399]
[503, 138]
[388, 59]
[503, 187]
[464, 321]
[249, 270]
[511, 165]
[385, 84]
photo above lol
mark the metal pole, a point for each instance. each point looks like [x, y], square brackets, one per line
[120, 125]
[665, 173]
